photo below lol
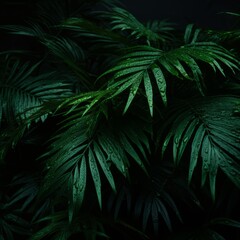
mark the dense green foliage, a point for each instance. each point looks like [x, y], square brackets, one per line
[112, 128]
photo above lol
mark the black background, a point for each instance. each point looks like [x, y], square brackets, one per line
[204, 13]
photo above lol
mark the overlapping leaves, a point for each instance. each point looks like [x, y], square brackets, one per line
[22, 89]
[213, 130]
[86, 147]
[150, 66]
[125, 21]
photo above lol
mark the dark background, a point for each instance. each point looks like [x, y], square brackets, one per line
[204, 13]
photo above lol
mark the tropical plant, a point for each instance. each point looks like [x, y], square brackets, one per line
[113, 128]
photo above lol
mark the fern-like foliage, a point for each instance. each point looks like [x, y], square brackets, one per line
[23, 91]
[213, 130]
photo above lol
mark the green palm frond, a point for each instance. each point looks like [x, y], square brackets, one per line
[13, 131]
[93, 148]
[64, 48]
[124, 21]
[213, 130]
[151, 66]
[23, 90]
[71, 163]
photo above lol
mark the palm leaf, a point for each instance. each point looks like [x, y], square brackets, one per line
[23, 91]
[151, 66]
[69, 163]
[214, 139]
[123, 20]
[92, 150]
